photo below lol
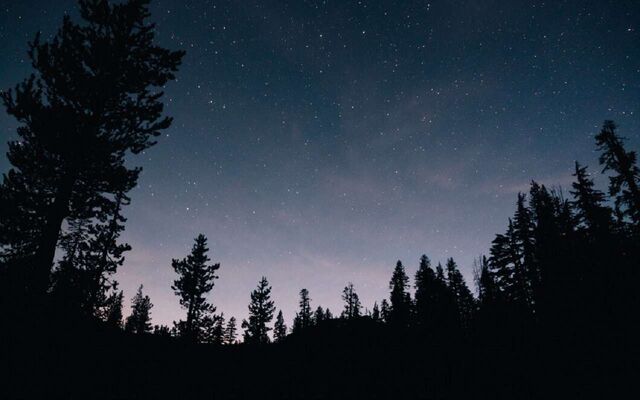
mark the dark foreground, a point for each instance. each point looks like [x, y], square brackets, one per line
[358, 359]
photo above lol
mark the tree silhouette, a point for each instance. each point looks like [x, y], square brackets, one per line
[462, 297]
[261, 311]
[488, 293]
[400, 299]
[328, 315]
[384, 310]
[195, 279]
[590, 212]
[230, 331]
[426, 295]
[352, 304]
[162, 331]
[140, 319]
[215, 329]
[624, 185]
[91, 257]
[304, 317]
[506, 264]
[93, 98]
[375, 312]
[113, 310]
[319, 315]
[279, 328]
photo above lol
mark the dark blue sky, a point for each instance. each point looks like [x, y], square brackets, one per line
[318, 142]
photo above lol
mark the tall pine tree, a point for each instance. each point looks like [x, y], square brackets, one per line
[590, 212]
[426, 294]
[230, 331]
[261, 309]
[352, 306]
[94, 97]
[279, 328]
[140, 319]
[195, 279]
[304, 317]
[624, 185]
[462, 297]
[400, 298]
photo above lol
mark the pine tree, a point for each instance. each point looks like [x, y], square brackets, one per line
[512, 258]
[318, 315]
[113, 311]
[230, 331]
[625, 184]
[527, 274]
[328, 315]
[588, 205]
[216, 329]
[445, 316]
[384, 310]
[261, 311]
[375, 312]
[440, 274]
[352, 304]
[104, 255]
[400, 299]
[94, 97]
[463, 299]
[140, 319]
[279, 328]
[426, 293]
[552, 233]
[488, 293]
[195, 280]
[162, 331]
[91, 257]
[303, 318]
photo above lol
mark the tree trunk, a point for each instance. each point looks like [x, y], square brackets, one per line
[45, 254]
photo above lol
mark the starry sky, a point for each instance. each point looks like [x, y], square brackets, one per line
[317, 142]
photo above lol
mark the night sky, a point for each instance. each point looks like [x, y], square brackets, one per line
[317, 142]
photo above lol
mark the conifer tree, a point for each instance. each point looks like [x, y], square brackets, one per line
[113, 310]
[400, 299]
[91, 256]
[508, 264]
[162, 331]
[195, 279]
[230, 331]
[304, 317]
[279, 328]
[526, 270]
[216, 329]
[261, 311]
[553, 260]
[384, 310]
[440, 274]
[463, 299]
[104, 255]
[488, 293]
[426, 293]
[93, 98]
[375, 312]
[590, 212]
[328, 315]
[352, 304]
[140, 319]
[318, 315]
[624, 185]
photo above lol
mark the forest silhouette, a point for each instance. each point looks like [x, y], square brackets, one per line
[555, 315]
